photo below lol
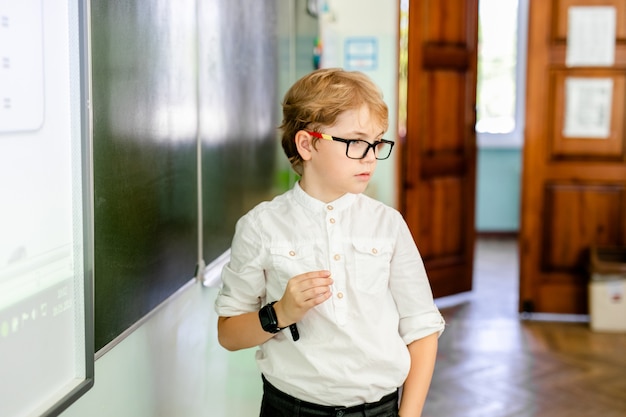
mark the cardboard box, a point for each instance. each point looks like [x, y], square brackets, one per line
[607, 289]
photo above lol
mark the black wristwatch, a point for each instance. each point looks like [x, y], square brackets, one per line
[269, 322]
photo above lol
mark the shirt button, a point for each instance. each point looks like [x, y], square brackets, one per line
[374, 251]
[339, 295]
[337, 257]
[329, 207]
[332, 221]
[292, 253]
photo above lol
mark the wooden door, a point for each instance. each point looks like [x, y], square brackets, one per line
[439, 150]
[574, 176]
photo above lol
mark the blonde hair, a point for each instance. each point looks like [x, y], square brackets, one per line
[318, 98]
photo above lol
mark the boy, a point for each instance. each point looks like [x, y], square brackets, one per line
[325, 280]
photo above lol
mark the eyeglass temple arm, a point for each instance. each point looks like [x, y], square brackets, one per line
[321, 135]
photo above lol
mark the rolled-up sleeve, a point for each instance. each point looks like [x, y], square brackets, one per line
[243, 278]
[419, 316]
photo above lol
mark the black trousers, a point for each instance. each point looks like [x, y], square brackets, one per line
[276, 403]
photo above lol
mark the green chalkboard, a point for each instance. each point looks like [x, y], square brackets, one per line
[184, 141]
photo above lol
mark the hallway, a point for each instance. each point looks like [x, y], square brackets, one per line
[491, 364]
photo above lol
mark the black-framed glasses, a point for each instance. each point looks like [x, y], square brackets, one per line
[358, 149]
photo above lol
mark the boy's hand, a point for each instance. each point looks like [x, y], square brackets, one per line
[303, 292]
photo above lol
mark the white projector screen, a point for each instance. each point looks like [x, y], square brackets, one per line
[46, 273]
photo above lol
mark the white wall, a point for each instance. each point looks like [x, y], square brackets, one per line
[173, 366]
[343, 22]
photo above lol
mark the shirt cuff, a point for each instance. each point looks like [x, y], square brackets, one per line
[418, 327]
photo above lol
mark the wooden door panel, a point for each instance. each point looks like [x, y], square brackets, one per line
[445, 21]
[561, 298]
[444, 130]
[578, 216]
[441, 217]
[573, 187]
[438, 152]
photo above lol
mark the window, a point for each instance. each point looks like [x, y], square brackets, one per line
[501, 72]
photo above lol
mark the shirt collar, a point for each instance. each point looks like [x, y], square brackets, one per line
[316, 205]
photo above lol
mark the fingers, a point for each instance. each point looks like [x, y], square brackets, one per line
[304, 292]
[312, 275]
[310, 286]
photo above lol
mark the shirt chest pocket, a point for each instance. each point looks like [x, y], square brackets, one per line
[372, 265]
[290, 260]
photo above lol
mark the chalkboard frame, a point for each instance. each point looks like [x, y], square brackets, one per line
[80, 9]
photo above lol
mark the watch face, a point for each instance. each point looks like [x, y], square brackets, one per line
[268, 320]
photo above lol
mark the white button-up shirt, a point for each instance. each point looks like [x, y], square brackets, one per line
[352, 347]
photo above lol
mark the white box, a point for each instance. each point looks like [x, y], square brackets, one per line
[607, 303]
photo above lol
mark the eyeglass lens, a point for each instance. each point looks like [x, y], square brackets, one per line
[358, 149]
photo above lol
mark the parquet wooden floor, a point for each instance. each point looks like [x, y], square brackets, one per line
[491, 363]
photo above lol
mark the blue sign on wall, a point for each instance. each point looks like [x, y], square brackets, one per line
[361, 53]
